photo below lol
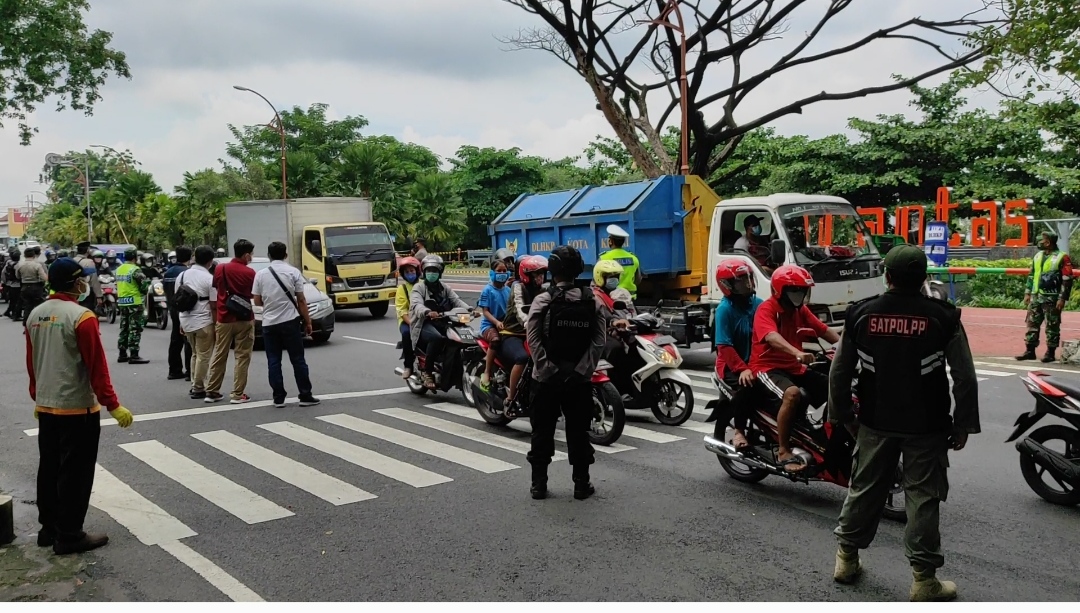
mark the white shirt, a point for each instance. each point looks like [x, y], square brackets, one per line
[277, 307]
[742, 244]
[201, 281]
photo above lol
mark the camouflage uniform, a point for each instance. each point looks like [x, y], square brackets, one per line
[132, 318]
[1049, 281]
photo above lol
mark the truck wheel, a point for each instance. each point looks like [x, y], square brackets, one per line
[379, 309]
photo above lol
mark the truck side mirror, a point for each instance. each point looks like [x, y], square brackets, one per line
[316, 246]
[778, 251]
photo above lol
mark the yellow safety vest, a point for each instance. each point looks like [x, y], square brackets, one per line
[629, 263]
[1044, 265]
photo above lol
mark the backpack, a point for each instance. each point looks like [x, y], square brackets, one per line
[184, 297]
[568, 329]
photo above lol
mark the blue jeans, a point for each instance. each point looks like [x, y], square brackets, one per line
[406, 345]
[286, 337]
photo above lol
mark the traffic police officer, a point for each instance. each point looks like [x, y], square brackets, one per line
[908, 338]
[131, 285]
[69, 381]
[631, 275]
[1049, 286]
[33, 276]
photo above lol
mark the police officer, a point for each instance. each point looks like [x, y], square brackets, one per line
[13, 285]
[1049, 286]
[179, 348]
[131, 285]
[33, 276]
[69, 381]
[631, 275]
[904, 411]
[93, 300]
[566, 341]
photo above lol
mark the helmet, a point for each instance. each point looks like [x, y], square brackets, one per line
[505, 255]
[220, 252]
[172, 256]
[605, 268]
[409, 261]
[790, 278]
[728, 272]
[565, 261]
[130, 254]
[63, 253]
[49, 253]
[98, 254]
[530, 265]
[432, 261]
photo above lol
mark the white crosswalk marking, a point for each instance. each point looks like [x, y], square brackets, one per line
[232, 497]
[145, 520]
[334, 491]
[449, 453]
[463, 431]
[520, 426]
[354, 454]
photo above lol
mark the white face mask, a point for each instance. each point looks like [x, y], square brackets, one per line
[86, 294]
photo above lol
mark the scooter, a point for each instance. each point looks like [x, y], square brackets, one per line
[155, 306]
[827, 451]
[1059, 398]
[461, 348]
[647, 377]
[108, 308]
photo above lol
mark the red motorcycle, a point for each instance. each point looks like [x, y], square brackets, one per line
[827, 451]
[608, 420]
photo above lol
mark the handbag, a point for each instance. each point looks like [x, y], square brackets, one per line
[287, 293]
[237, 305]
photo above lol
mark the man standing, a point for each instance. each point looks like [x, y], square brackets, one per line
[89, 266]
[631, 274]
[33, 276]
[14, 286]
[198, 321]
[419, 249]
[131, 285]
[178, 345]
[1049, 286]
[235, 322]
[69, 377]
[904, 412]
[567, 330]
[279, 290]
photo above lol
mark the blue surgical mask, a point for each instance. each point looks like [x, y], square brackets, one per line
[411, 277]
[756, 230]
[431, 277]
[611, 284]
[500, 277]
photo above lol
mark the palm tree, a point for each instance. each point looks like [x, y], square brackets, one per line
[436, 209]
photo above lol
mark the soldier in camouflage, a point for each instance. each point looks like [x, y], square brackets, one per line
[1049, 286]
[131, 286]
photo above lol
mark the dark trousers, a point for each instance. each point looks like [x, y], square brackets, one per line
[178, 346]
[286, 337]
[68, 446]
[14, 309]
[574, 402]
[33, 294]
[407, 355]
[432, 341]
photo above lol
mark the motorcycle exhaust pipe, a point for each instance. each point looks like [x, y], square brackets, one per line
[1051, 460]
[725, 450]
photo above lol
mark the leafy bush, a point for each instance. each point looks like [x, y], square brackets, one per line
[1001, 291]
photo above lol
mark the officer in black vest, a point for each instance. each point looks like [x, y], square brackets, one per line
[902, 340]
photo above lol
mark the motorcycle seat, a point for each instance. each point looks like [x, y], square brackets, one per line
[1069, 386]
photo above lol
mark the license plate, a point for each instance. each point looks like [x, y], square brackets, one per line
[369, 296]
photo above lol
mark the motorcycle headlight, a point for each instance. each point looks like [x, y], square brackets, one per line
[464, 319]
[160, 291]
[663, 356]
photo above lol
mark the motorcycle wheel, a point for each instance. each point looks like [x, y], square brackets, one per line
[895, 504]
[606, 403]
[736, 470]
[1064, 494]
[671, 414]
[162, 319]
[112, 311]
[469, 372]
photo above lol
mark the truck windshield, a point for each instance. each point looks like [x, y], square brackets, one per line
[356, 242]
[826, 231]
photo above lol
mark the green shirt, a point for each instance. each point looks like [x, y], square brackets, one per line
[630, 265]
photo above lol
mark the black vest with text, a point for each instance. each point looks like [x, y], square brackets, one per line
[901, 338]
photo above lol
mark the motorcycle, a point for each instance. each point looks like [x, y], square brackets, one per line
[108, 308]
[826, 450]
[155, 305]
[461, 349]
[608, 419]
[648, 376]
[1059, 398]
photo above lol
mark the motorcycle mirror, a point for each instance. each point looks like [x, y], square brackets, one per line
[806, 334]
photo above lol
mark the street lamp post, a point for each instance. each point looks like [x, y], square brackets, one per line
[662, 20]
[281, 131]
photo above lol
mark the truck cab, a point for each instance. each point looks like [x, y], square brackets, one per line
[352, 263]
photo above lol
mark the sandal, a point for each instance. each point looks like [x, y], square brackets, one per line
[792, 461]
[407, 373]
[429, 381]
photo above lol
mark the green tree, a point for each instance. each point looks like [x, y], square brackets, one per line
[436, 211]
[46, 51]
[1042, 41]
[488, 180]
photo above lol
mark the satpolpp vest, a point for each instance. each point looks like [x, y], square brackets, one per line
[127, 290]
[900, 339]
[63, 381]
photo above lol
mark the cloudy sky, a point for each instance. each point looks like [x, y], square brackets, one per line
[427, 71]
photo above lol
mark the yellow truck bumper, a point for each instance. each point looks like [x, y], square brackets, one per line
[364, 298]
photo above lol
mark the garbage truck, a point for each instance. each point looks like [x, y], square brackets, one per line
[333, 241]
[680, 230]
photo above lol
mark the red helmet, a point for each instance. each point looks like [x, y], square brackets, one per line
[531, 264]
[409, 261]
[728, 271]
[791, 277]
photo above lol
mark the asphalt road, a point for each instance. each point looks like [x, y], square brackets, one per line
[361, 508]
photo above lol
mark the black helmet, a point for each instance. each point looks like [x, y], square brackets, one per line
[565, 262]
[131, 254]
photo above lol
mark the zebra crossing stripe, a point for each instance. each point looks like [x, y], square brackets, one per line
[145, 520]
[463, 431]
[446, 452]
[560, 436]
[314, 482]
[245, 504]
[354, 454]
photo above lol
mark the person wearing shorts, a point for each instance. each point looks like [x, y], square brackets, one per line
[493, 301]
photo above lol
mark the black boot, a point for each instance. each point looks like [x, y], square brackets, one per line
[1027, 355]
[539, 482]
[123, 356]
[135, 359]
[582, 487]
[1049, 357]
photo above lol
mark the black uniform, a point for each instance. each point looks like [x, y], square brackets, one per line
[179, 348]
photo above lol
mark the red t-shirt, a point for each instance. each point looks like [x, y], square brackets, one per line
[771, 317]
[240, 279]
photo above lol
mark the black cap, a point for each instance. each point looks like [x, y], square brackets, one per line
[63, 274]
[83, 245]
[751, 219]
[906, 258]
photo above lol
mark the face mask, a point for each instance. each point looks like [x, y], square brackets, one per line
[756, 230]
[611, 284]
[86, 294]
[411, 277]
[797, 298]
[501, 277]
[431, 277]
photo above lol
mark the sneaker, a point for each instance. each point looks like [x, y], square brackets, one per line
[198, 395]
[174, 376]
[213, 397]
[241, 400]
[279, 404]
[309, 401]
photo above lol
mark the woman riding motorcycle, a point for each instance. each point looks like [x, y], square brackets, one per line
[426, 331]
[532, 271]
[410, 273]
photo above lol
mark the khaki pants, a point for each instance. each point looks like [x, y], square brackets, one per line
[202, 350]
[243, 333]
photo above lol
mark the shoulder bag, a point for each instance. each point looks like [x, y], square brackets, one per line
[237, 305]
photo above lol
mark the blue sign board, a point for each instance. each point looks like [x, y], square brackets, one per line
[936, 243]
